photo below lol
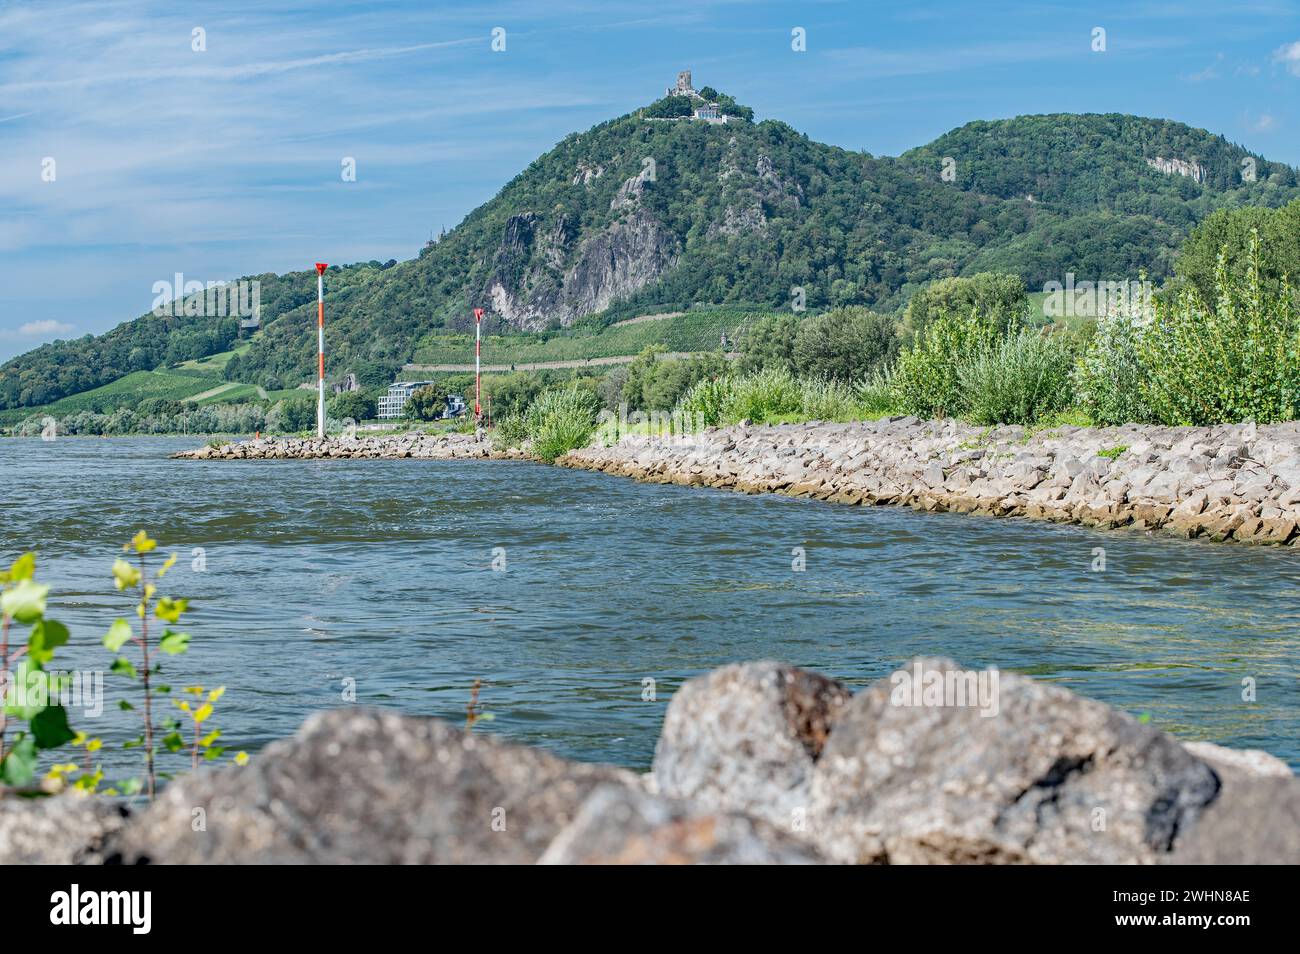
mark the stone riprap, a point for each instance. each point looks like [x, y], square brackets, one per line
[1230, 482]
[378, 447]
[758, 763]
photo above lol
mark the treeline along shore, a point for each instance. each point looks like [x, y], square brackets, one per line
[1228, 482]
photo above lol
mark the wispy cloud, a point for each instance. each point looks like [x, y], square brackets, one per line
[1262, 123]
[1210, 72]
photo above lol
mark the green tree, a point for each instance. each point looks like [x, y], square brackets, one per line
[1235, 360]
[926, 377]
[427, 403]
[1229, 232]
[296, 414]
[845, 344]
[351, 404]
[769, 343]
[1001, 298]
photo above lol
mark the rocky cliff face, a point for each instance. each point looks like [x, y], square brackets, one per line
[546, 272]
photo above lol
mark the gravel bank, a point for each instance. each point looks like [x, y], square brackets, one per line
[1231, 482]
[388, 447]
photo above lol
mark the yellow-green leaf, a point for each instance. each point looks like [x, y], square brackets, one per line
[20, 569]
[142, 542]
[202, 712]
[241, 758]
[124, 574]
[170, 609]
[174, 643]
[216, 693]
[24, 602]
[117, 635]
[167, 565]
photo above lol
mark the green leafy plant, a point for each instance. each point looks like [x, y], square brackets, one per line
[1110, 378]
[827, 400]
[763, 396]
[1235, 361]
[510, 431]
[88, 782]
[878, 393]
[30, 695]
[560, 420]
[705, 403]
[172, 642]
[844, 344]
[1018, 379]
[925, 377]
[199, 708]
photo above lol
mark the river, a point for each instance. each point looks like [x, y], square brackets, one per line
[311, 581]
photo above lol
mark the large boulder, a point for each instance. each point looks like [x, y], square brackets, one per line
[623, 826]
[1024, 772]
[362, 786]
[1256, 818]
[68, 829]
[746, 737]
[1254, 821]
[1239, 763]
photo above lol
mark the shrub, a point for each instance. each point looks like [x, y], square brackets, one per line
[823, 400]
[705, 403]
[657, 383]
[1238, 360]
[763, 396]
[877, 393]
[844, 344]
[560, 420]
[1018, 379]
[925, 377]
[292, 415]
[509, 431]
[1110, 378]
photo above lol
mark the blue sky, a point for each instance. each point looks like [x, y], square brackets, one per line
[227, 161]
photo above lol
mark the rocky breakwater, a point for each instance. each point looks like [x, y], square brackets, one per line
[1231, 482]
[386, 447]
[756, 763]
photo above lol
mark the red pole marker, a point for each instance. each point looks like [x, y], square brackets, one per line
[320, 348]
[478, 373]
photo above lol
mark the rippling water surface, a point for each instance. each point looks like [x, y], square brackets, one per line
[381, 572]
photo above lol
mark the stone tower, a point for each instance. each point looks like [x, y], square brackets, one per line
[684, 82]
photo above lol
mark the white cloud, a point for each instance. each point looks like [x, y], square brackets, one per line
[40, 329]
[1288, 54]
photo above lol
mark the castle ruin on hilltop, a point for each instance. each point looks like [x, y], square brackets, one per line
[705, 111]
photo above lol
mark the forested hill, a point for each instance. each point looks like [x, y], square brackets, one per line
[646, 213]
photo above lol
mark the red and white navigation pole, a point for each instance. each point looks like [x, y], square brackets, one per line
[320, 348]
[478, 374]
